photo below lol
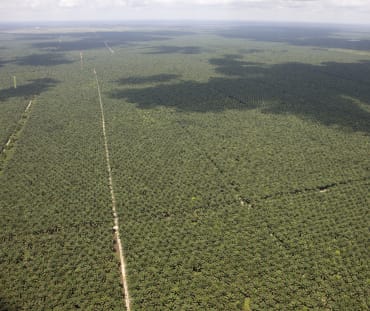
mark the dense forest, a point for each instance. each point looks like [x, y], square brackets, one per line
[239, 160]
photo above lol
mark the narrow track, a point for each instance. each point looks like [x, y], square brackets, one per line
[7, 151]
[114, 209]
[108, 47]
[24, 113]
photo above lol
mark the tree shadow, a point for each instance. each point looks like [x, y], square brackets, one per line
[324, 37]
[4, 62]
[184, 96]
[233, 65]
[35, 87]
[48, 59]
[4, 306]
[330, 93]
[36, 36]
[172, 49]
[95, 40]
[148, 79]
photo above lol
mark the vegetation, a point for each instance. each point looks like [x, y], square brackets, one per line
[240, 164]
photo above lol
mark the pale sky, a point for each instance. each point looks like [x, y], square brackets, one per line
[333, 11]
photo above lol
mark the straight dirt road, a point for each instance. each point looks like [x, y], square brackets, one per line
[114, 209]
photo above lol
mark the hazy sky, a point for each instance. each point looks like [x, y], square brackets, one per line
[338, 11]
